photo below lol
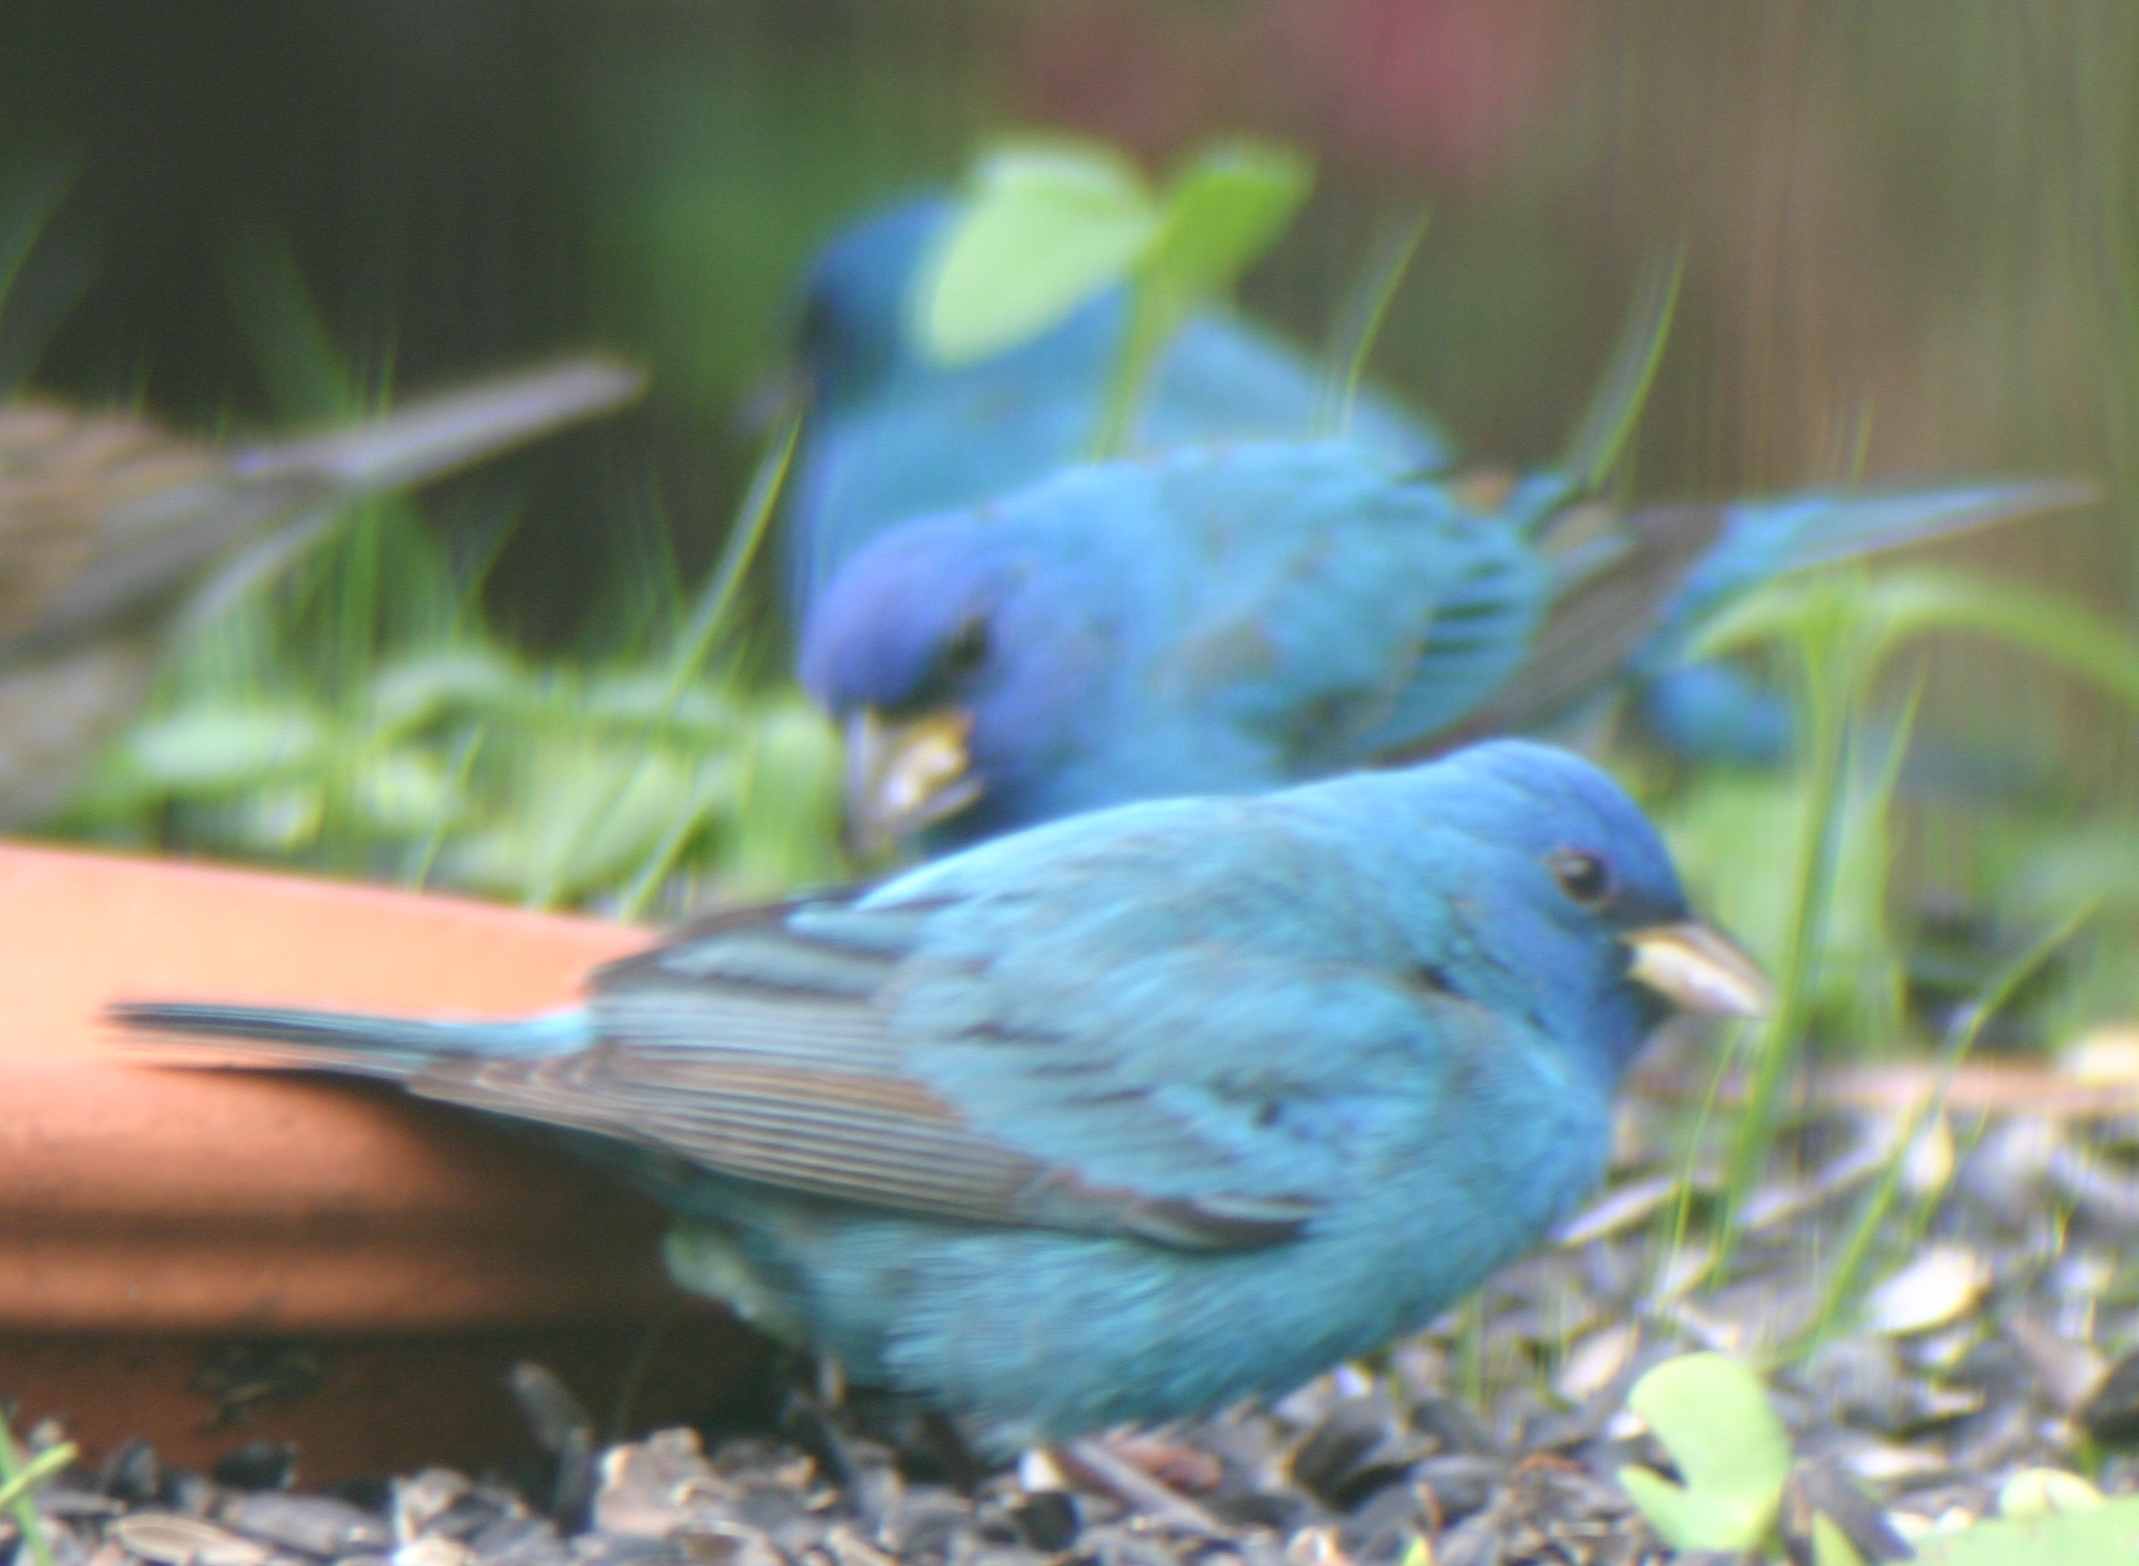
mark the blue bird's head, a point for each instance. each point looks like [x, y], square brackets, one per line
[1560, 883]
[851, 329]
[964, 661]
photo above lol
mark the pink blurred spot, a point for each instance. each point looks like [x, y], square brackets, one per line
[1437, 85]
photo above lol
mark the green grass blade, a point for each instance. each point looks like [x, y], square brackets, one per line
[2054, 628]
[710, 615]
[1831, 682]
[19, 1479]
[305, 372]
[1848, 1269]
[1607, 425]
[28, 213]
[1364, 315]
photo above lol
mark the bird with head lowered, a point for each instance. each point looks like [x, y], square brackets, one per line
[1234, 617]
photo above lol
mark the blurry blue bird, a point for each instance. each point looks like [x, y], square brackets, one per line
[893, 435]
[1127, 1117]
[1229, 618]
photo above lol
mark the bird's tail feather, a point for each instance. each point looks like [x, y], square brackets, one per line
[430, 436]
[1775, 535]
[264, 1038]
[1825, 526]
[301, 483]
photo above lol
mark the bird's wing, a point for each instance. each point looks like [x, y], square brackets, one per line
[1613, 575]
[1050, 1080]
[1345, 613]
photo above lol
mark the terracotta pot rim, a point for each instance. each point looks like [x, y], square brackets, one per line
[133, 1198]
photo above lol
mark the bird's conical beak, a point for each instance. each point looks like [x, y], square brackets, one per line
[905, 774]
[1697, 968]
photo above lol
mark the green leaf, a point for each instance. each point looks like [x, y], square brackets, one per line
[1815, 610]
[2109, 1532]
[2035, 1491]
[2054, 628]
[788, 801]
[405, 792]
[215, 747]
[584, 816]
[1713, 1417]
[279, 818]
[1830, 1545]
[1222, 212]
[1219, 214]
[651, 699]
[418, 690]
[1695, 1519]
[1049, 224]
[1899, 604]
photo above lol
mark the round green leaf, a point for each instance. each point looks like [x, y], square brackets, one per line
[2093, 1537]
[1696, 1519]
[1713, 1417]
[1224, 211]
[1049, 224]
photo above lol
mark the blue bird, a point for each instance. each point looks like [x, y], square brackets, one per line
[1127, 1117]
[892, 435]
[1231, 618]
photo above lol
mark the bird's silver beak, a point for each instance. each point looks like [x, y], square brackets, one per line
[906, 774]
[1698, 968]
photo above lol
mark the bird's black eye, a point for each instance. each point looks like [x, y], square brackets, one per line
[1585, 878]
[967, 649]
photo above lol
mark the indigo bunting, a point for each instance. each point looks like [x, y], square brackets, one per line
[1228, 618]
[111, 526]
[892, 435]
[1126, 1117]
